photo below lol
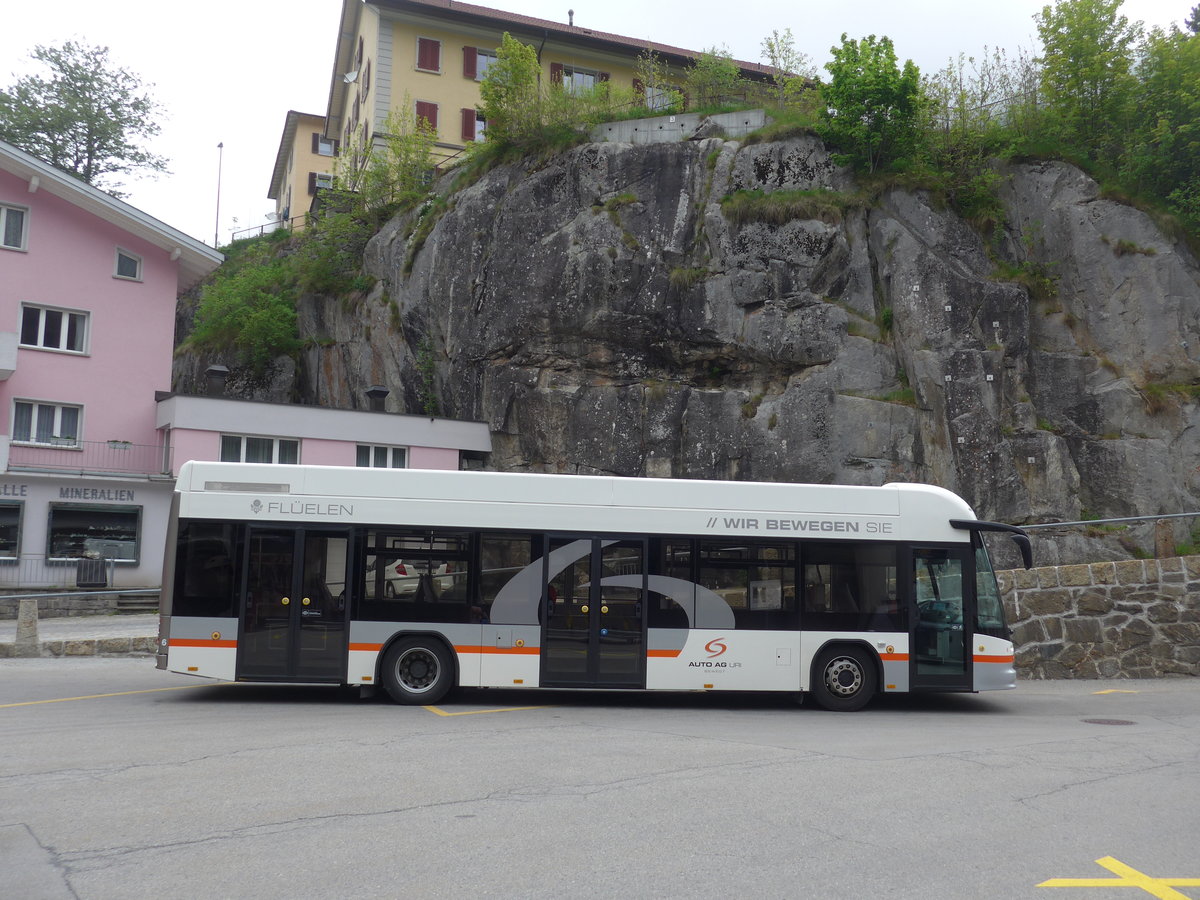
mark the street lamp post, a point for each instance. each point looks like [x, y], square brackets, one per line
[217, 225]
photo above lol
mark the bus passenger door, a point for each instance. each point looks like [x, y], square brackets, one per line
[593, 631]
[942, 614]
[294, 619]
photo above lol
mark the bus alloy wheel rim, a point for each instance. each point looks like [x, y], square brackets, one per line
[843, 677]
[417, 670]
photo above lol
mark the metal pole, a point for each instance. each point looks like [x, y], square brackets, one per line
[220, 160]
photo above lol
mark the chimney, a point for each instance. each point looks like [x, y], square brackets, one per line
[216, 376]
[571, 17]
[376, 394]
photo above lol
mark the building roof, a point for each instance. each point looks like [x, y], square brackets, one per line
[483, 16]
[196, 259]
[469, 12]
[290, 124]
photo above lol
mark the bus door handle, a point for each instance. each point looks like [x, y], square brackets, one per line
[604, 609]
[306, 601]
[285, 601]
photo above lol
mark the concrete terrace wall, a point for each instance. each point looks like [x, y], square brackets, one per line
[1129, 619]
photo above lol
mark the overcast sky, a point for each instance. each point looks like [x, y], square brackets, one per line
[227, 71]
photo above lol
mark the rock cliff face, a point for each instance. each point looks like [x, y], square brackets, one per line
[604, 315]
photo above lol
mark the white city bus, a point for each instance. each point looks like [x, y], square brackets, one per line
[418, 581]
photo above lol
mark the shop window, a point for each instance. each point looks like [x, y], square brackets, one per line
[10, 530]
[77, 530]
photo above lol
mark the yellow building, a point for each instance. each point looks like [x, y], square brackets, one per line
[304, 163]
[435, 53]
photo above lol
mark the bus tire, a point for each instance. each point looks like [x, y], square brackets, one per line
[844, 679]
[417, 671]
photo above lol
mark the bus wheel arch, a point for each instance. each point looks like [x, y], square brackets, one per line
[418, 669]
[845, 676]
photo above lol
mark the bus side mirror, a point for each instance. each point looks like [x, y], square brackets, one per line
[1022, 541]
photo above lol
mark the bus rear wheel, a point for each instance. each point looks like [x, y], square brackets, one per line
[417, 671]
[844, 679]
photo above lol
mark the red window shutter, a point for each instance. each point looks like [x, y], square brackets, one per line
[366, 79]
[604, 76]
[337, 147]
[316, 147]
[429, 54]
[469, 56]
[312, 183]
[468, 124]
[556, 73]
[639, 89]
[428, 112]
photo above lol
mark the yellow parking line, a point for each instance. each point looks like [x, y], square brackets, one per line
[1127, 876]
[478, 712]
[182, 687]
[1114, 691]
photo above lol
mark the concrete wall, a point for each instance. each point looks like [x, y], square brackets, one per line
[1129, 619]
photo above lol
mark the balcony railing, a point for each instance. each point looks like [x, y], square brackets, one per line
[92, 457]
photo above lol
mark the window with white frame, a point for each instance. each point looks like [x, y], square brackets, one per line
[77, 530]
[378, 457]
[10, 529]
[54, 424]
[53, 329]
[129, 265]
[250, 449]
[13, 227]
[483, 59]
[578, 81]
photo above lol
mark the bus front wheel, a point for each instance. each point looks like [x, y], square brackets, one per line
[844, 679]
[417, 671]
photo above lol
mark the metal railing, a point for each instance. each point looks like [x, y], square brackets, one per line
[92, 457]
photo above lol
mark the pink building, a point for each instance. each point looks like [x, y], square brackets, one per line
[90, 435]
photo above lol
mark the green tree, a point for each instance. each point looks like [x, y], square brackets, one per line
[1086, 79]
[659, 92]
[1163, 157]
[790, 69]
[86, 117]
[872, 105]
[1192, 23]
[713, 78]
[510, 94]
[395, 171]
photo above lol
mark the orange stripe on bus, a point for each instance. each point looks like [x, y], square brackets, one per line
[994, 659]
[894, 657]
[512, 651]
[367, 648]
[665, 654]
[201, 642]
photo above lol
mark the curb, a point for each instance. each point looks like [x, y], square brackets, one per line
[112, 646]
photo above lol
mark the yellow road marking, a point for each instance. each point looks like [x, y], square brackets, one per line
[182, 687]
[1127, 876]
[478, 712]
[1114, 691]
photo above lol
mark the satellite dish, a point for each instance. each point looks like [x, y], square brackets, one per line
[350, 77]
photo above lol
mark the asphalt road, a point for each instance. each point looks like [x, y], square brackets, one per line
[119, 781]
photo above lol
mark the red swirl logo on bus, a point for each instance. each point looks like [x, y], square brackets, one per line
[715, 647]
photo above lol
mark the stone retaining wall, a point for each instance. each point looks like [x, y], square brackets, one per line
[1129, 619]
[109, 646]
[54, 605]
